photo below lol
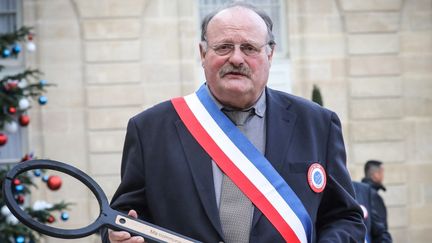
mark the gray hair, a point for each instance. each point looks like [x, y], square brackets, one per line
[261, 13]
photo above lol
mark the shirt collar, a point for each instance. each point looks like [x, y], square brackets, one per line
[259, 107]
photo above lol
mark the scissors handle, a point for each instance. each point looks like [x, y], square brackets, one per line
[120, 221]
[108, 217]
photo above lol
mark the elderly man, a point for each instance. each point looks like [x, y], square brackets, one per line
[237, 161]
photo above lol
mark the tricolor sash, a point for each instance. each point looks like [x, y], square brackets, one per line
[367, 238]
[244, 165]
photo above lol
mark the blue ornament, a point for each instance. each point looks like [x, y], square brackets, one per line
[37, 172]
[64, 216]
[20, 239]
[42, 82]
[16, 48]
[19, 188]
[6, 52]
[43, 100]
[45, 178]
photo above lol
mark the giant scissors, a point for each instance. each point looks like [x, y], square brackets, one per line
[108, 217]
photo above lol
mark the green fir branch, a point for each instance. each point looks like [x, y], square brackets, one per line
[12, 38]
[43, 215]
[34, 73]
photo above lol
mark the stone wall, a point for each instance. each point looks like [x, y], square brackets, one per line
[111, 59]
[416, 58]
[376, 97]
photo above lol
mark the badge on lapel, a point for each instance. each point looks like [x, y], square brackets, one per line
[317, 177]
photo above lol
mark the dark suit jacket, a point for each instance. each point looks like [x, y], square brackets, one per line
[167, 177]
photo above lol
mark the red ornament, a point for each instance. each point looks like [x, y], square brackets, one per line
[25, 158]
[20, 199]
[12, 110]
[50, 219]
[54, 182]
[3, 139]
[12, 85]
[24, 120]
[16, 182]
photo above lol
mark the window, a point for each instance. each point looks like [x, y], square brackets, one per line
[8, 16]
[10, 20]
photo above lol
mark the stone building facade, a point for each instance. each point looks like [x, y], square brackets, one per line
[111, 59]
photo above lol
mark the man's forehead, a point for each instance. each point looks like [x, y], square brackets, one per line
[237, 16]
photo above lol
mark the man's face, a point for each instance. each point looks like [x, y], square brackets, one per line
[378, 176]
[236, 79]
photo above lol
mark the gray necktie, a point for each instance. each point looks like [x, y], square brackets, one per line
[235, 209]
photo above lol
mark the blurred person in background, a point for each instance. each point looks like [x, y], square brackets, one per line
[374, 177]
[376, 230]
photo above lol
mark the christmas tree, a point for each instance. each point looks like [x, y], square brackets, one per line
[16, 93]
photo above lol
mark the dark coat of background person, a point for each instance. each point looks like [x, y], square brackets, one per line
[167, 176]
[378, 201]
[376, 228]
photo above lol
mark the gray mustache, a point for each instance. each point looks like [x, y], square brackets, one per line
[243, 70]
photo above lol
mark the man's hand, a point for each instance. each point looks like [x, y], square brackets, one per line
[123, 236]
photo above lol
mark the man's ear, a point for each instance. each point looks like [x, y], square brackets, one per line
[202, 51]
[270, 54]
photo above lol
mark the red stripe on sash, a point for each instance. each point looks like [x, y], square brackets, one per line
[230, 169]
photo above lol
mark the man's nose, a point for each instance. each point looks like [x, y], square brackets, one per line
[236, 56]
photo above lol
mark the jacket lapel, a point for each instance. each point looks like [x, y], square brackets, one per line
[201, 169]
[280, 125]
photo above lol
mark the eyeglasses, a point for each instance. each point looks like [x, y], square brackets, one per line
[247, 48]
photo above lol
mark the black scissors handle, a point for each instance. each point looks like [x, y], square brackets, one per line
[107, 217]
[120, 221]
